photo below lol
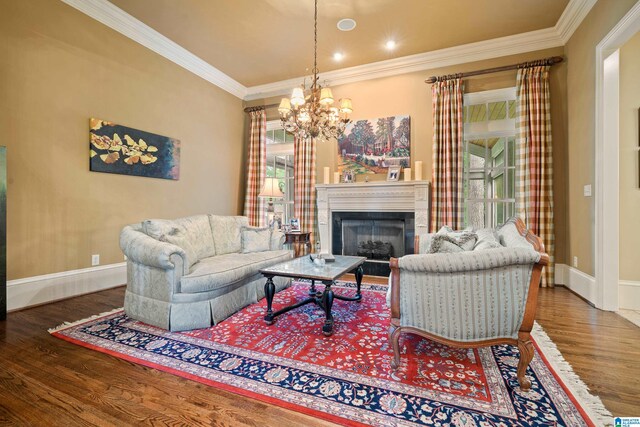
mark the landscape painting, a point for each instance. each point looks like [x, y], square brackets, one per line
[371, 146]
[119, 149]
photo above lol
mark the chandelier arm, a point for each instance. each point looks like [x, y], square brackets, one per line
[313, 118]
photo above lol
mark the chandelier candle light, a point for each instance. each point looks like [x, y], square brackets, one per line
[310, 113]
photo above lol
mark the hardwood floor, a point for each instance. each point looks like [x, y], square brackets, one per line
[47, 381]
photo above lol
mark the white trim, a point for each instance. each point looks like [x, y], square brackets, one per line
[580, 283]
[607, 190]
[629, 295]
[119, 20]
[546, 38]
[488, 49]
[22, 293]
[504, 94]
[572, 17]
[561, 273]
[629, 283]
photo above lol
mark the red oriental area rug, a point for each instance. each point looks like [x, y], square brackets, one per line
[347, 378]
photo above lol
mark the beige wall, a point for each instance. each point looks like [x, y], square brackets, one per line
[58, 68]
[629, 168]
[580, 51]
[409, 94]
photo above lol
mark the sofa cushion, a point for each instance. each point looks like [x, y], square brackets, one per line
[226, 233]
[222, 270]
[199, 233]
[165, 230]
[511, 237]
[487, 239]
[255, 239]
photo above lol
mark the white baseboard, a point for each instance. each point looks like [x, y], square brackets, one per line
[561, 274]
[30, 291]
[629, 295]
[581, 283]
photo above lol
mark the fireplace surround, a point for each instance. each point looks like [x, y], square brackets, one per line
[379, 212]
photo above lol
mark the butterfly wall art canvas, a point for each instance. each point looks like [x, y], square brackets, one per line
[123, 150]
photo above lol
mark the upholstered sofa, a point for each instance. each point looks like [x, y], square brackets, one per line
[193, 272]
[469, 289]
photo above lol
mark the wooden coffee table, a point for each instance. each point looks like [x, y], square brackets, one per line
[304, 268]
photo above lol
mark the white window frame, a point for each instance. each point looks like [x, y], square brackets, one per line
[286, 204]
[506, 129]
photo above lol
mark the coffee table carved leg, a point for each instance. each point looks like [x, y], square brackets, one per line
[269, 292]
[359, 273]
[327, 303]
[313, 291]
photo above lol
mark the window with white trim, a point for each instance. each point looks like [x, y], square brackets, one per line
[280, 165]
[489, 157]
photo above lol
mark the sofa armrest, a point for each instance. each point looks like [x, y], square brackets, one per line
[142, 249]
[469, 261]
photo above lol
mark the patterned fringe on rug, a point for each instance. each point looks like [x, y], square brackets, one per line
[591, 404]
[66, 325]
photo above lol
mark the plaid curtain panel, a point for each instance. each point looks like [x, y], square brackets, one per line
[446, 178]
[534, 159]
[304, 171]
[256, 168]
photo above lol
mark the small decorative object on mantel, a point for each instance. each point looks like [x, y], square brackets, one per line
[336, 177]
[347, 176]
[407, 174]
[394, 173]
[417, 172]
[371, 146]
[123, 150]
[327, 171]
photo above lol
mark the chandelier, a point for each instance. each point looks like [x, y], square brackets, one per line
[310, 112]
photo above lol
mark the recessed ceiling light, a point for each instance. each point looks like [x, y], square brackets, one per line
[390, 45]
[338, 56]
[346, 24]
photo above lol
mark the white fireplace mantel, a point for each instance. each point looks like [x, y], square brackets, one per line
[379, 196]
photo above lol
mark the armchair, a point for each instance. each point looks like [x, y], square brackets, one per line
[472, 298]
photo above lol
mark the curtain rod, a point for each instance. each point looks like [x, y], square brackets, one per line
[546, 61]
[259, 107]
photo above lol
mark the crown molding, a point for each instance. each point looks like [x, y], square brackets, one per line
[572, 17]
[120, 21]
[569, 21]
[478, 51]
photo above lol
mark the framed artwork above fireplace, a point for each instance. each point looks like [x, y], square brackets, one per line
[371, 146]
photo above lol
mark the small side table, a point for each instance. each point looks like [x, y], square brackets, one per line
[300, 241]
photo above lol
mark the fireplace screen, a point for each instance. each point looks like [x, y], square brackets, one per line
[375, 239]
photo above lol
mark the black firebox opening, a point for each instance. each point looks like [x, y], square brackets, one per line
[378, 236]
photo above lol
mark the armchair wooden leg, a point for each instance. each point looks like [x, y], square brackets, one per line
[525, 347]
[394, 337]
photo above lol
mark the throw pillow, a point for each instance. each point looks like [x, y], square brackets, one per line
[277, 240]
[168, 231]
[449, 241]
[487, 239]
[510, 236]
[255, 239]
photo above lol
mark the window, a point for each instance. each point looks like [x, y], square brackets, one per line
[489, 157]
[280, 165]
